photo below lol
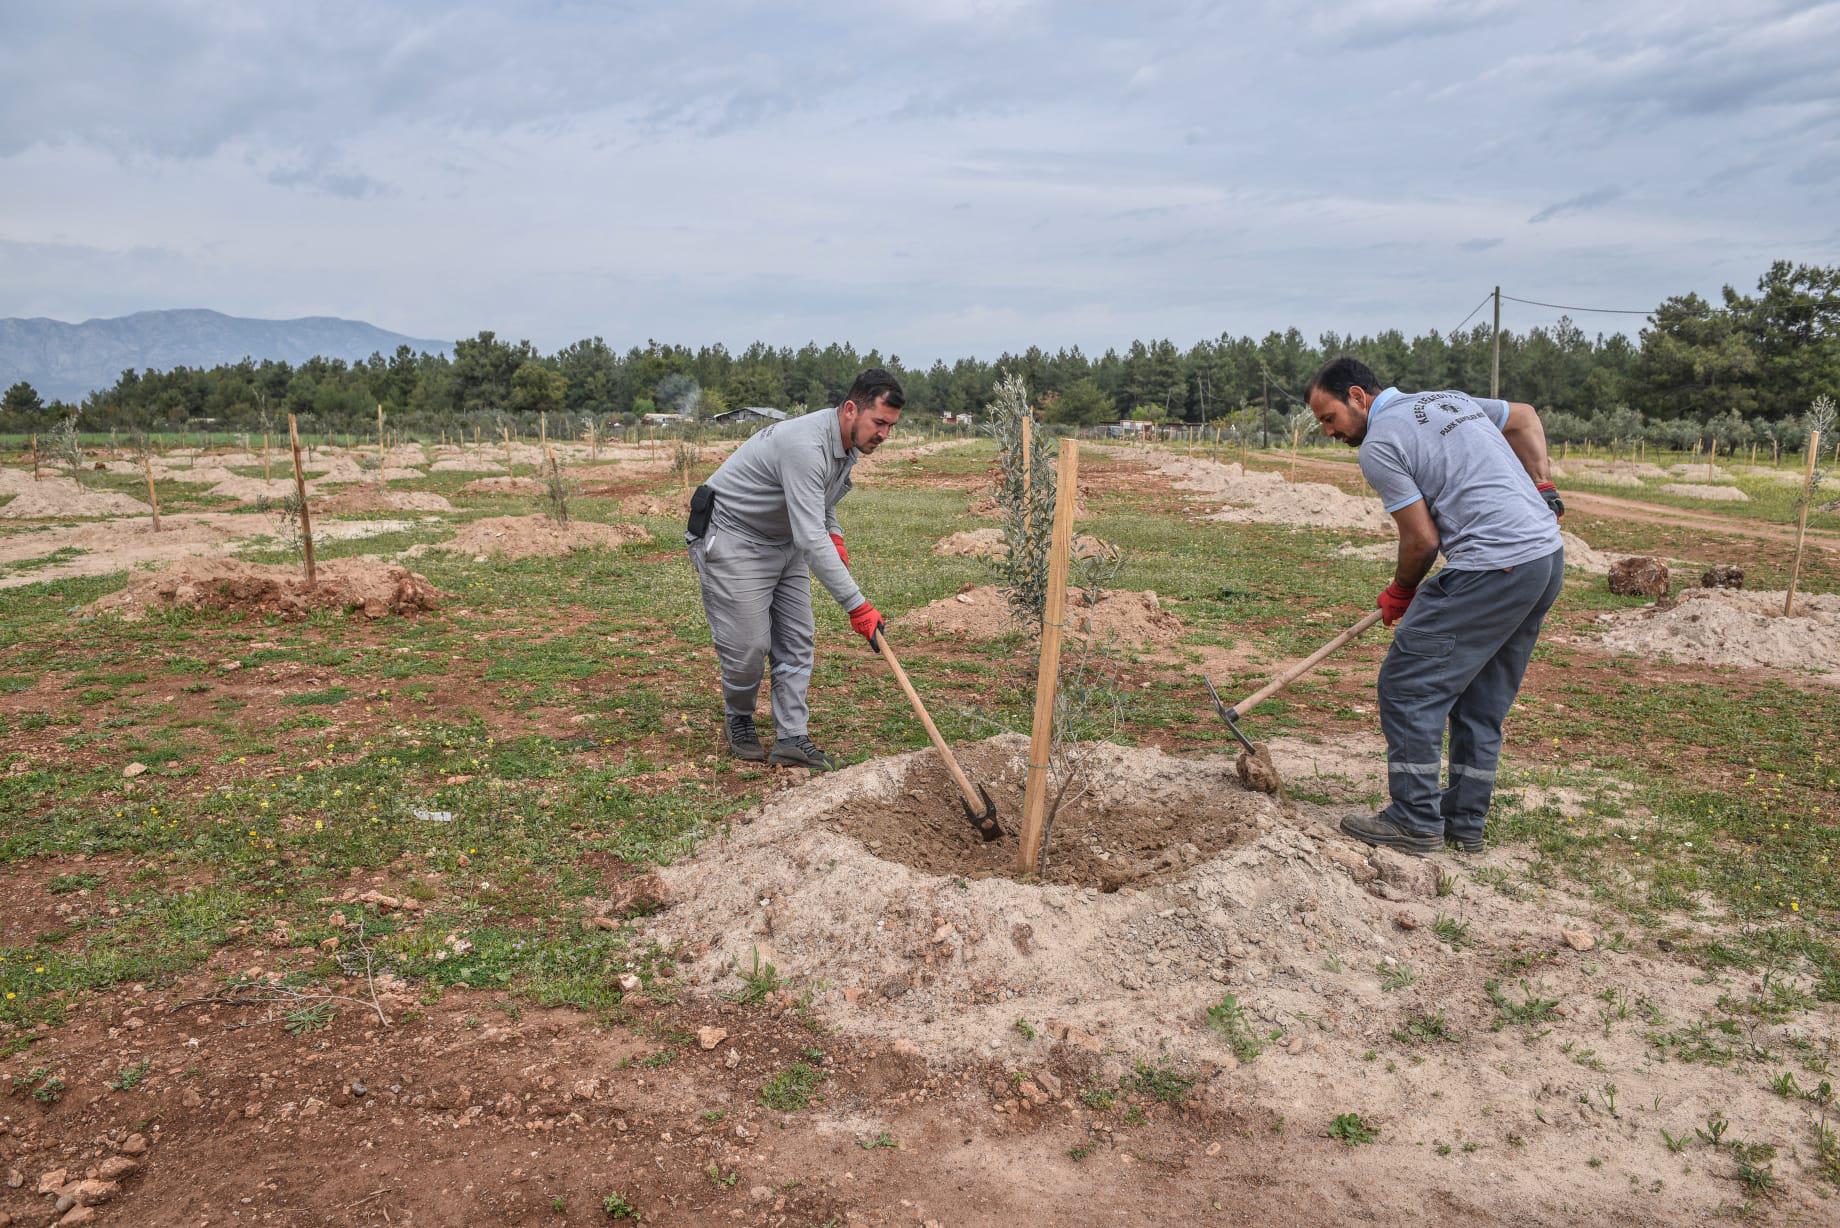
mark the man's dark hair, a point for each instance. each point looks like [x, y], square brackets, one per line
[874, 384]
[1338, 375]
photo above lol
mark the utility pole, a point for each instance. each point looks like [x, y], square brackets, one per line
[1495, 362]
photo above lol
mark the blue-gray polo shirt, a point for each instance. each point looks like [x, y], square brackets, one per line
[1447, 449]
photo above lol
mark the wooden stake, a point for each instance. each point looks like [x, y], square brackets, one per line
[1712, 459]
[543, 431]
[152, 497]
[1048, 675]
[506, 432]
[1801, 520]
[265, 456]
[594, 442]
[35, 458]
[382, 459]
[300, 491]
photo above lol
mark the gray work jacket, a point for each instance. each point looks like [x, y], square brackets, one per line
[782, 487]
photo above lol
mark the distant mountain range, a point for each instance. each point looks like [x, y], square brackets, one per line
[68, 361]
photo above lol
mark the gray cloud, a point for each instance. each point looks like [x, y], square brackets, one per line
[1374, 24]
[1597, 198]
[956, 176]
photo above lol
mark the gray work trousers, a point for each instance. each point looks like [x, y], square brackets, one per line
[758, 602]
[1458, 658]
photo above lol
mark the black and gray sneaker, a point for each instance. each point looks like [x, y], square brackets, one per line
[1388, 833]
[1464, 844]
[800, 752]
[744, 740]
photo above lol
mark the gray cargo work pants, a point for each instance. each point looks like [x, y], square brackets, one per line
[758, 602]
[1458, 658]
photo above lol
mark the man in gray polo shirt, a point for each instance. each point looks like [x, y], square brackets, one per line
[1469, 477]
[763, 525]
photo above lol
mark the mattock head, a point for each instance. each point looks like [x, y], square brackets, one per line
[1230, 716]
[986, 823]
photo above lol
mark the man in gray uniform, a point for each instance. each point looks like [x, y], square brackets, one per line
[1469, 477]
[763, 525]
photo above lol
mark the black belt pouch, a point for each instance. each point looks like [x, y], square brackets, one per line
[702, 501]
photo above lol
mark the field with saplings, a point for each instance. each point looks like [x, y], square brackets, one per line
[369, 851]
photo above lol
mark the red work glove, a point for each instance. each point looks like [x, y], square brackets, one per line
[1393, 602]
[837, 541]
[1550, 493]
[866, 620]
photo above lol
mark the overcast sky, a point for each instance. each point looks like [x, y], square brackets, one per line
[932, 178]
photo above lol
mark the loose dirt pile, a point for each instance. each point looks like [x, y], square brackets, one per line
[502, 486]
[53, 497]
[1717, 626]
[1268, 498]
[369, 586]
[1578, 554]
[990, 544]
[368, 499]
[1269, 971]
[1711, 494]
[196, 475]
[466, 464]
[523, 537]
[982, 612]
[1596, 477]
[122, 545]
[252, 490]
[677, 503]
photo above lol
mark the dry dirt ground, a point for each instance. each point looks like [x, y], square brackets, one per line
[1165, 1029]
[967, 1037]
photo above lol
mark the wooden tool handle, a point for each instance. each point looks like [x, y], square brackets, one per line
[1304, 666]
[932, 730]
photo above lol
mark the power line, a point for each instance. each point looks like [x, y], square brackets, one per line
[1472, 315]
[1610, 311]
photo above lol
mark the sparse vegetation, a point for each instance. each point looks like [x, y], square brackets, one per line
[792, 1089]
[1351, 1129]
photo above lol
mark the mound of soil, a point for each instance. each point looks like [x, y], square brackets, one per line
[466, 464]
[367, 499]
[677, 503]
[53, 497]
[982, 612]
[503, 486]
[252, 490]
[990, 544]
[1267, 498]
[195, 475]
[370, 586]
[1578, 554]
[1597, 477]
[121, 545]
[1711, 494]
[522, 537]
[1722, 626]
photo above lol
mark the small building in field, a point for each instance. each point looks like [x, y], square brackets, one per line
[751, 413]
[665, 419]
